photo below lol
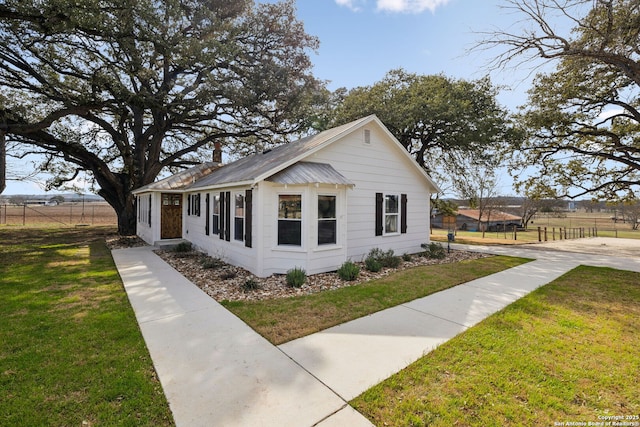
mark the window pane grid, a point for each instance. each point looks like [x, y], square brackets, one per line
[239, 218]
[290, 219]
[327, 223]
[391, 206]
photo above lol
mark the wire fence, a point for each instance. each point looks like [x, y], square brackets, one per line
[65, 214]
[537, 234]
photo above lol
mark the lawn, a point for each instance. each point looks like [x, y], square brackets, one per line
[566, 353]
[566, 220]
[72, 353]
[282, 320]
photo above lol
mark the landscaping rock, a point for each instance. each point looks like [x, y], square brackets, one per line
[226, 281]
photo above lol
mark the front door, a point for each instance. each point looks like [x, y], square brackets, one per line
[171, 216]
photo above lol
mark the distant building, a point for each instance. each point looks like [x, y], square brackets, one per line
[469, 219]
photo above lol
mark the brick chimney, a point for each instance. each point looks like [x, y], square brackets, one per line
[217, 152]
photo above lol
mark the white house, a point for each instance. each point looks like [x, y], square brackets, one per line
[313, 203]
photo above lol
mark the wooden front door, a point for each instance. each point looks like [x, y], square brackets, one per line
[171, 216]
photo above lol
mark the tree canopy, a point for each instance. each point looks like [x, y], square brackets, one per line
[446, 124]
[125, 88]
[583, 118]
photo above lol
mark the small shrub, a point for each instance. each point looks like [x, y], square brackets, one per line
[251, 284]
[348, 271]
[372, 264]
[406, 257]
[384, 259]
[390, 260]
[296, 277]
[434, 250]
[213, 263]
[183, 247]
[228, 275]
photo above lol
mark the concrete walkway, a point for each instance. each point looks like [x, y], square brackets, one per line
[215, 370]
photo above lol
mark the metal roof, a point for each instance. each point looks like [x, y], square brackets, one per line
[486, 216]
[262, 165]
[252, 169]
[180, 180]
[310, 173]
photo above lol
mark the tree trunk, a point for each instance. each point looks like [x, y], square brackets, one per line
[127, 221]
[124, 205]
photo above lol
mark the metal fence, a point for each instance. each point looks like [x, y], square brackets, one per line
[65, 214]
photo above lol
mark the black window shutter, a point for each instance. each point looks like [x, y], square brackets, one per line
[248, 215]
[379, 213]
[149, 209]
[222, 216]
[189, 204]
[227, 216]
[403, 213]
[198, 204]
[206, 212]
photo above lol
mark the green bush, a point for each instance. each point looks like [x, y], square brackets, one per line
[348, 271]
[183, 247]
[390, 260]
[372, 264]
[213, 263]
[251, 284]
[406, 257]
[384, 259]
[434, 250]
[296, 277]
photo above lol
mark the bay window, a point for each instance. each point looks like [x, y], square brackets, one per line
[290, 219]
[327, 223]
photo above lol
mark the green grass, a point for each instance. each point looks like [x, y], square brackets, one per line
[283, 320]
[566, 352]
[72, 353]
[569, 220]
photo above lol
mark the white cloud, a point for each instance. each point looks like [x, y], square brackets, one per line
[351, 4]
[407, 6]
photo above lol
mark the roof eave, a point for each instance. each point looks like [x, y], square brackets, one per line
[245, 183]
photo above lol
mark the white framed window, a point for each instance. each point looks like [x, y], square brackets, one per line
[290, 219]
[193, 205]
[144, 210]
[238, 226]
[391, 213]
[216, 214]
[327, 220]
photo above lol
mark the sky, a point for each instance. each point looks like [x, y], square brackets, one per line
[362, 40]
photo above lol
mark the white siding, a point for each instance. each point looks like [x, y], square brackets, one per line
[379, 166]
[234, 251]
[148, 233]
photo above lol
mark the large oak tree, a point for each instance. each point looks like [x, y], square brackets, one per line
[123, 89]
[583, 118]
[449, 125]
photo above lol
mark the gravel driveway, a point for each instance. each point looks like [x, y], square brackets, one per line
[596, 245]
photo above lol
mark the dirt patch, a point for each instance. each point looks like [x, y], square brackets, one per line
[115, 241]
[595, 245]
